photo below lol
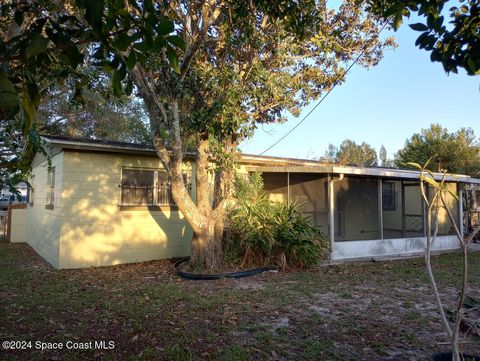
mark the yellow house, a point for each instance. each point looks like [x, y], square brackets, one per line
[102, 203]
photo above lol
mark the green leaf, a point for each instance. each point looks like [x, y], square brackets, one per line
[173, 59]
[73, 55]
[121, 42]
[430, 181]
[472, 66]
[177, 41]
[148, 6]
[27, 113]
[418, 27]
[18, 17]
[158, 43]
[165, 27]
[428, 162]
[8, 94]
[116, 84]
[453, 194]
[129, 88]
[131, 60]
[38, 44]
[413, 164]
[397, 21]
[94, 13]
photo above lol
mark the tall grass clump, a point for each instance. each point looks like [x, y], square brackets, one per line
[261, 231]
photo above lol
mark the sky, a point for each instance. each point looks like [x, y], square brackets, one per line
[383, 105]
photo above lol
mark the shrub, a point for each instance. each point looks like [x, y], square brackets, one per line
[261, 231]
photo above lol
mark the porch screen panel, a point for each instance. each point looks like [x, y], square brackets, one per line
[392, 209]
[356, 209]
[310, 192]
[413, 218]
[275, 184]
[445, 226]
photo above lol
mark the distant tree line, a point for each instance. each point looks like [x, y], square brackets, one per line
[456, 152]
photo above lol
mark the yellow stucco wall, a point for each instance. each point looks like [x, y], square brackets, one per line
[96, 232]
[43, 232]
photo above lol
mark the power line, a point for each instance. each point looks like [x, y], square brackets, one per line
[322, 99]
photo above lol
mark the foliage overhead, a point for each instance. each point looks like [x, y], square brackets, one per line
[43, 43]
[455, 44]
[455, 152]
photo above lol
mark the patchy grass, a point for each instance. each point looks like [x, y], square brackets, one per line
[368, 311]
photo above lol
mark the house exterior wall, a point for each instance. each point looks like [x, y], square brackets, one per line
[43, 231]
[97, 232]
[18, 225]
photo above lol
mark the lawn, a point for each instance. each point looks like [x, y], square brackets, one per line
[361, 311]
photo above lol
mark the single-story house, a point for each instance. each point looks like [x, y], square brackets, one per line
[102, 203]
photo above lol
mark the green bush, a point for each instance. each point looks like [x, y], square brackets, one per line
[261, 231]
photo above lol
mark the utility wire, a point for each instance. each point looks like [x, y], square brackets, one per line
[323, 98]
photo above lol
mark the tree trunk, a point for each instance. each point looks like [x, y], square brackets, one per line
[206, 217]
[206, 247]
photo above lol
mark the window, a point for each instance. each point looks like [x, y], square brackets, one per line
[50, 188]
[389, 196]
[141, 187]
[31, 191]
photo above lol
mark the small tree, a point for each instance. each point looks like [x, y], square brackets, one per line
[434, 202]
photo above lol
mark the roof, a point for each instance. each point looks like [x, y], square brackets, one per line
[253, 162]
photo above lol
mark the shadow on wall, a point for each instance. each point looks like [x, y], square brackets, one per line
[97, 232]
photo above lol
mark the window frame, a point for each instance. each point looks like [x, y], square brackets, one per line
[155, 204]
[31, 191]
[50, 198]
[392, 206]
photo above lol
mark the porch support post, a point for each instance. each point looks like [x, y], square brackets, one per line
[331, 206]
[380, 207]
[331, 211]
[288, 188]
[460, 210]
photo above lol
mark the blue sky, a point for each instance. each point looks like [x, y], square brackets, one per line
[382, 105]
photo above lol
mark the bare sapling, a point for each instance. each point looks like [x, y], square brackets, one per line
[435, 200]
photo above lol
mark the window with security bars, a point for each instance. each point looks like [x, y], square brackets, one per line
[140, 187]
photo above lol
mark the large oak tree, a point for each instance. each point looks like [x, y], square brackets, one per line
[244, 63]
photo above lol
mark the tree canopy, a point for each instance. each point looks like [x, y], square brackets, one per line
[456, 152]
[98, 114]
